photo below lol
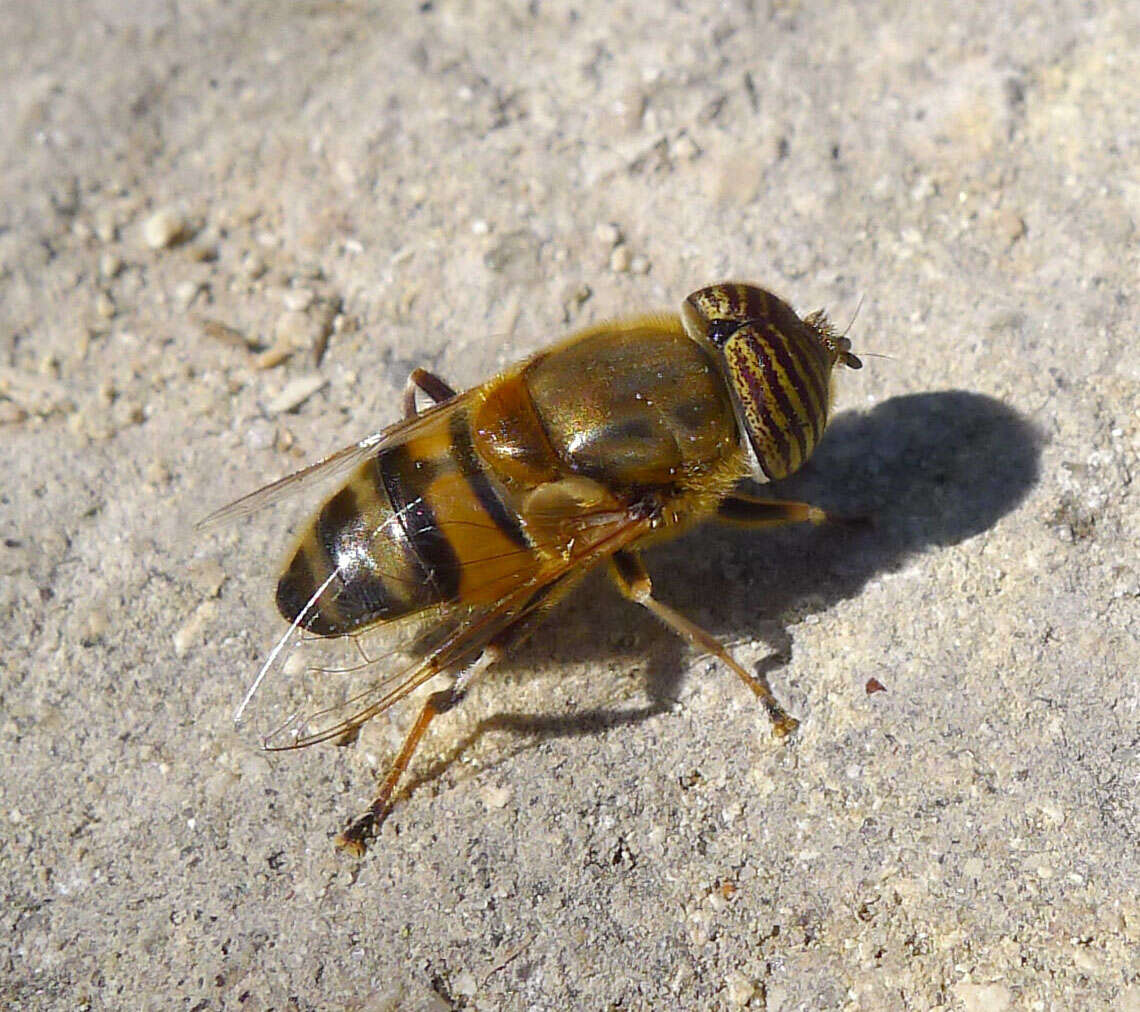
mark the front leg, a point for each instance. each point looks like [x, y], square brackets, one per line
[749, 511]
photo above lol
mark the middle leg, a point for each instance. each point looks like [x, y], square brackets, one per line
[633, 581]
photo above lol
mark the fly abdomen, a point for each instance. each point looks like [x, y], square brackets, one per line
[376, 552]
[424, 522]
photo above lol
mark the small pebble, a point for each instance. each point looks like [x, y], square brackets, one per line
[620, 259]
[126, 412]
[983, 997]
[223, 332]
[739, 990]
[105, 227]
[96, 625]
[296, 392]
[574, 296]
[1010, 225]
[260, 435]
[253, 266]
[607, 233]
[685, 148]
[204, 249]
[104, 305]
[11, 414]
[325, 318]
[293, 329]
[191, 632]
[628, 109]
[185, 292]
[157, 473]
[164, 228]
[109, 265]
[464, 983]
[297, 300]
[515, 254]
[206, 577]
[496, 797]
[273, 357]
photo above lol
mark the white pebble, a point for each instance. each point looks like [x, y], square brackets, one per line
[104, 305]
[260, 435]
[620, 259]
[293, 329]
[105, 228]
[297, 300]
[192, 630]
[109, 265]
[163, 229]
[296, 392]
[185, 292]
[97, 624]
[685, 149]
[739, 990]
[496, 797]
[983, 997]
[607, 233]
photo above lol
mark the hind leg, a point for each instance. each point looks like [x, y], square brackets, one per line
[430, 384]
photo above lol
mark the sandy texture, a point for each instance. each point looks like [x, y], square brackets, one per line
[196, 199]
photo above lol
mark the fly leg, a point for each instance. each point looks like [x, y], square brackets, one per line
[354, 839]
[430, 384]
[748, 511]
[633, 581]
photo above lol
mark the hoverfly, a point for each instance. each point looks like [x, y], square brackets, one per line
[483, 510]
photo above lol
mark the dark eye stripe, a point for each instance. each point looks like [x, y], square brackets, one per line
[817, 365]
[796, 364]
[749, 303]
[769, 435]
[788, 392]
[783, 384]
[789, 382]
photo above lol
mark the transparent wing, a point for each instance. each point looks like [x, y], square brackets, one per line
[319, 698]
[329, 688]
[323, 471]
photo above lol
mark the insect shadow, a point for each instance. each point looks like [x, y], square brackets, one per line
[925, 470]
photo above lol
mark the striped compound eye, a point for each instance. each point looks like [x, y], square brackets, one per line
[777, 365]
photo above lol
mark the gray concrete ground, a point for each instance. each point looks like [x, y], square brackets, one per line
[196, 197]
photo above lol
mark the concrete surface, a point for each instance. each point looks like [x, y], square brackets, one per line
[194, 197]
